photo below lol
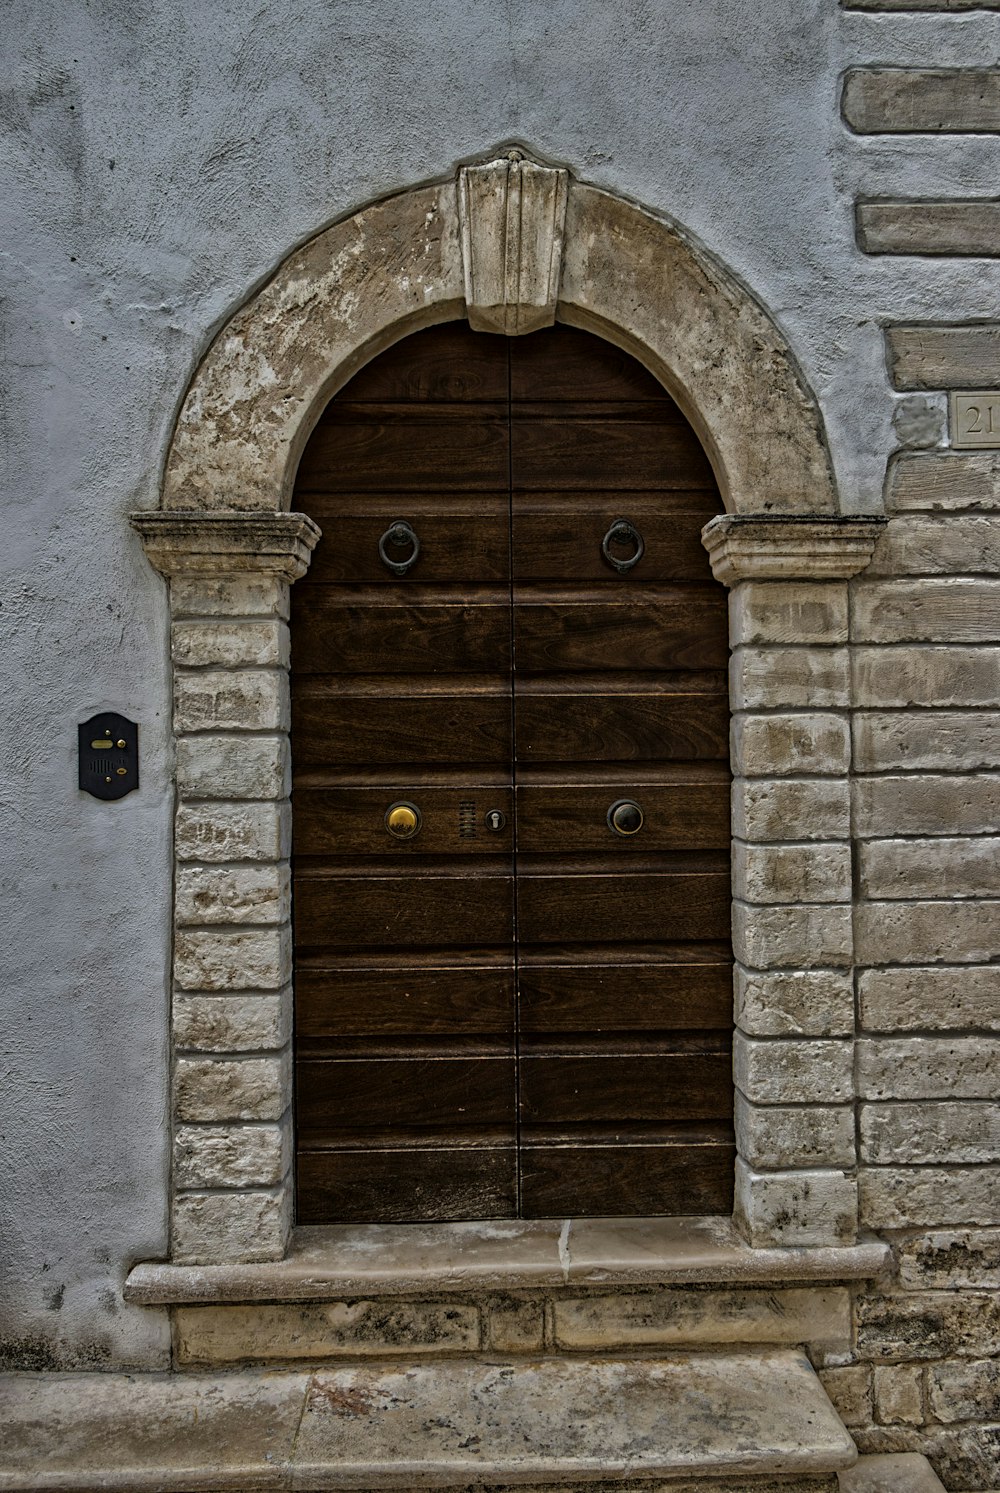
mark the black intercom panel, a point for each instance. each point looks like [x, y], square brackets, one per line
[109, 755]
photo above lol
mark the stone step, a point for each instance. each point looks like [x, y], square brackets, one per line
[894, 1472]
[735, 1422]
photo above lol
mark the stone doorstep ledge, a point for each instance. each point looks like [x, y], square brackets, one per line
[735, 1422]
[402, 1259]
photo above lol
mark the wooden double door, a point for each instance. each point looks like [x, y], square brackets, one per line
[511, 793]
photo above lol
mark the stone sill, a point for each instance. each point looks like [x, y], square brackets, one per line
[408, 1259]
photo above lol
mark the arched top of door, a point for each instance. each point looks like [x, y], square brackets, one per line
[515, 246]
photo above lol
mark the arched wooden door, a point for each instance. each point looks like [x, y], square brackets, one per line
[510, 638]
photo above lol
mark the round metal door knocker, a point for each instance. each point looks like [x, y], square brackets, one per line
[623, 532]
[625, 817]
[400, 535]
[402, 820]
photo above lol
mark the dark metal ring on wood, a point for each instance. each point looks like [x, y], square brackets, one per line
[623, 532]
[625, 817]
[399, 533]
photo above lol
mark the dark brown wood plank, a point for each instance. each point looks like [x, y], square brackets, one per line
[340, 631]
[351, 821]
[676, 628]
[621, 725]
[454, 545]
[410, 998]
[636, 1088]
[372, 448]
[563, 541]
[610, 907]
[567, 364]
[416, 1095]
[447, 363]
[605, 455]
[403, 910]
[636, 1180]
[625, 997]
[400, 725]
[408, 1186]
[678, 816]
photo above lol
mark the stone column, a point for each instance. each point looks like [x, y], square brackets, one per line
[792, 878]
[229, 577]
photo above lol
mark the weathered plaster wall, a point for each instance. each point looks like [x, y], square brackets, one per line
[160, 159]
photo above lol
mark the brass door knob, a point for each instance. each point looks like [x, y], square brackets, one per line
[625, 817]
[402, 820]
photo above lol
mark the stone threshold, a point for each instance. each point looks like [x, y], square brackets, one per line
[404, 1259]
[743, 1423]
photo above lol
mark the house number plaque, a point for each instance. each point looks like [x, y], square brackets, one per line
[109, 755]
[975, 419]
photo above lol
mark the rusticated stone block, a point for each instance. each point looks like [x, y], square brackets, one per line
[920, 1197]
[920, 804]
[944, 1133]
[245, 959]
[935, 1324]
[810, 937]
[213, 1089]
[788, 612]
[796, 1207]
[209, 1227]
[921, 998]
[232, 1023]
[775, 809]
[955, 227]
[927, 932]
[794, 1003]
[926, 675]
[945, 482]
[927, 609]
[850, 1389]
[515, 1325]
[925, 1068]
[230, 645]
[899, 1394]
[236, 700]
[233, 767]
[953, 1259]
[233, 894]
[947, 544]
[233, 832]
[778, 677]
[260, 1333]
[820, 1316]
[229, 596]
[793, 1072]
[233, 1156]
[800, 1136]
[776, 874]
[955, 740]
[964, 1391]
[965, 355]
[940, 867]
[764, 745]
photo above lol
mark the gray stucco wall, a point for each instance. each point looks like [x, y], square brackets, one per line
[159, 160]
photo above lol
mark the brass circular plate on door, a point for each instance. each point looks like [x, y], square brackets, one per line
[402, 820]
[625, 817]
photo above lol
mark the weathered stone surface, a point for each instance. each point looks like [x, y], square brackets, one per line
[966, 356]
[943, 5]
[788, 612]
[929, 1325]
[927, 804]
[777, 677]
[512, 219]
[947, 481]
[964, 1391]
[820, 1316]
[924, 1068]
[794, 1003]
[768, 546]
[806, 937]
[799, 1072]
[918, 999]
[946, 866]
[223, 541]
[926, 675]
[249, 959]
[920, 420]
[233, 894]
[955, 740]
[233, 700]
[949, 227]
[948, 1132]
[966, 1458]
[777, 874]
[927, 932]
[206, 1335]
[948, 610]
[235, 1226]
[796, 1207]
[229, 644]
[954, 1260]
[207, 1156]
[900, 1472]
[763, 745]
[233, 832]
[232, 1023]
[902, 1197]
[899, 1395]
[515, 1325]
[246, 595]
[938, 544]
[209, 1089]
[233, 767]
[850, 1390]
[770, 809]
[802, 1136]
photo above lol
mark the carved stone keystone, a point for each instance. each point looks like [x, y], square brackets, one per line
[512, 214]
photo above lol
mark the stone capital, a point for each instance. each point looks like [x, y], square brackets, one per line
[779, 547]
[209, 544]
[512, 214]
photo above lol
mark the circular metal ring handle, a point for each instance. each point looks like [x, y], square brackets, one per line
[625, 817]
[399, 533]
[624, 532]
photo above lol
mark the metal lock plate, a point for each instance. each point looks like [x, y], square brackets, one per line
[108, 749]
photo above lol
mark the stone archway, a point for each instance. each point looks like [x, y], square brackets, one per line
[513, 245]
